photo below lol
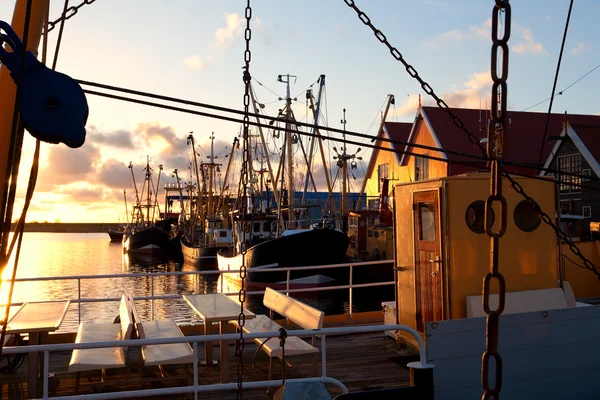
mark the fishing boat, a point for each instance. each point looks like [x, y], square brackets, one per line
[208, 230]
[268, 237]
[116, 235]
[142, 235]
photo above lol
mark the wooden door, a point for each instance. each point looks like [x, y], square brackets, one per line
[428, 261]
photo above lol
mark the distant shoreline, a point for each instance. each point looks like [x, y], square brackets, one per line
[74, 227]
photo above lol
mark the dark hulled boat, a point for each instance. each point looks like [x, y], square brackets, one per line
[151, 240]
[294, 248]
[115, 235]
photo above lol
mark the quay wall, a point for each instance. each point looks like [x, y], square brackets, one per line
[74, 227]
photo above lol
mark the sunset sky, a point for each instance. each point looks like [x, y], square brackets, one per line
[193, 49]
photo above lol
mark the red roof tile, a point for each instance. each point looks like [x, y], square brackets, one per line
[398, 132]
[524, 137]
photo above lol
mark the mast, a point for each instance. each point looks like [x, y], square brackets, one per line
[126, 211]
[224, 185]
[160, 168]
[316, 115]
[137, 196]
[390, 101]
[265, 150]
[211, 167]
[323, 158]
[148, 182]
[344, 166]
[198, 199]
[288, 138]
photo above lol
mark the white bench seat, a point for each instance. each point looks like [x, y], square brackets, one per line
[102, 358]
[161, 354]
[303, 315]
[164, 354]
[293, 344]
[91, 359]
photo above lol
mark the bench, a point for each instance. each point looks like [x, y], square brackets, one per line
[103, 358]
[301, 314]
[161, 354]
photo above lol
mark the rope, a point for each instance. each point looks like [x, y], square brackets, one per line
[17, 132]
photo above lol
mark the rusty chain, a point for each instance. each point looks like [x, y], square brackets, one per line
[496, 149]
[458, 122]
[414, 74]
[69, 13]
[244, 175]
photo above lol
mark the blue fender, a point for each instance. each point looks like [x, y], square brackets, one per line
[52, 105]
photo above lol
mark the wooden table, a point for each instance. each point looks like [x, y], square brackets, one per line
[216, 308]
[37, 319]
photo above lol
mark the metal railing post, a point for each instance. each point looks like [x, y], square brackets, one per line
[287, 283]
[323, 355]
[79, 298]
[46, 368]
[195, 347]
[350, 292]
[152, 296]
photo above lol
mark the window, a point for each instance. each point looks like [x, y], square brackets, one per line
[426, 223]
[475, 216]
[566, 207]
[373, 204]
[586, 174]
[526, 217]
[570, 164]
[587, 211]
[421, 168]
[382, 172]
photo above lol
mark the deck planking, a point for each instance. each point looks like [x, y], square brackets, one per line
[360, 361]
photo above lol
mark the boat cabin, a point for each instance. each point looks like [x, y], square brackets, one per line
[442, 251]
[369, 238]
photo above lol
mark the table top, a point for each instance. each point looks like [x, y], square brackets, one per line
[38, 317]
[215, 307]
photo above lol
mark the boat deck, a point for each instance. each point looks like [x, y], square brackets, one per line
[359, 361]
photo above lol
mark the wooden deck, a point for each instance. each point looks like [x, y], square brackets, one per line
[363, 361]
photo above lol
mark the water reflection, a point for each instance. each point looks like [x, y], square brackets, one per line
[62, 254]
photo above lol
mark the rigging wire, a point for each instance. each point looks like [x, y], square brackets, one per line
[273, 119]
[565, 89]
[355, 134]
[562, 48]
[278, 96]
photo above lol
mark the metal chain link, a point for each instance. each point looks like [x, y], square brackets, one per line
[244, 176]
[458, 122]
[496, 145]
[70, 12]
[414, 74]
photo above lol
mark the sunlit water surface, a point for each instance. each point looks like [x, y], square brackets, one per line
[70, 254]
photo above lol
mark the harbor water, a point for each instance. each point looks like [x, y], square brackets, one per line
[70, 254]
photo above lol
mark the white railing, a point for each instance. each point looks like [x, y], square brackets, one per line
[194, 340]
[152, 275]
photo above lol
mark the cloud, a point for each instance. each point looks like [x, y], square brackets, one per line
[66, 165]
[194, 62]
[114, 174]
[581, 47]
[458, 35]
[528, 43]
[83, 195]
[224, 37]
[466, 97]
[120, 138]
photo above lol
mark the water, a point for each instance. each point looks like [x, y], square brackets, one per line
[62, 254]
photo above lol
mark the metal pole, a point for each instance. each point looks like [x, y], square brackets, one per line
[79, 298]
[351, 267]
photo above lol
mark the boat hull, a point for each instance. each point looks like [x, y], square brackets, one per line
[308, 248]
[152, 240]
[201, 257]
[115, 236]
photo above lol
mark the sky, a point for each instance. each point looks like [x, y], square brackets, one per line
[193, 49]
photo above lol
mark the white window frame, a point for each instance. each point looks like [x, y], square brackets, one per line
[589, 213]
[586, 174]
